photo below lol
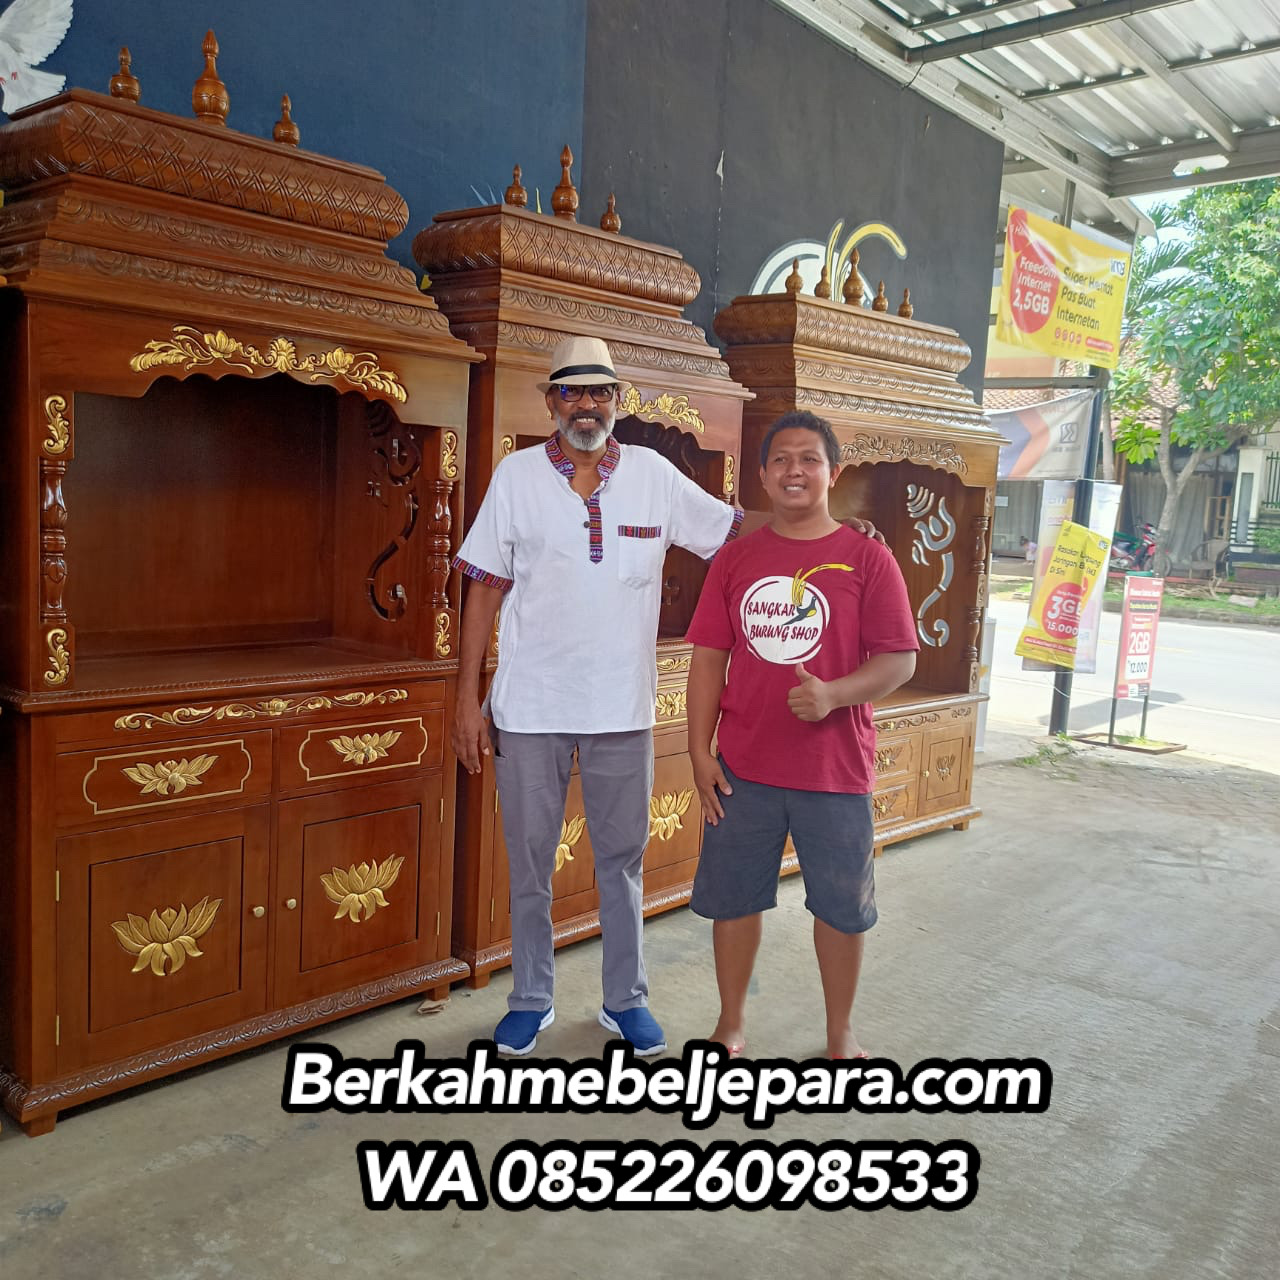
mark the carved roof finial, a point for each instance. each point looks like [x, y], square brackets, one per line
[516, 194]
[823, 288]
[794, 280]
[124, 84]
[209, 99]
[609, 220]
[880, 302]
[564, 199]
[906, 311]
[286, 131]
[854, 285]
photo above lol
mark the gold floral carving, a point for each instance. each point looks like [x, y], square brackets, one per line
[55, 409]
[675, 408]
[192, 349]
[883, 805]
[443, 647]
[570, 833]
[59, 656]
[945, 765]
[508, 445]
[359, 889]
[364, 748]
[169, 777]
[679, 663]
[273, 708]
[672, 704]
[887, 757]
[449, 456]
[930, 453]
[166, 935]
[728, 475]
[665, 812]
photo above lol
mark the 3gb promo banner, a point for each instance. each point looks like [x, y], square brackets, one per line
[1061, 293]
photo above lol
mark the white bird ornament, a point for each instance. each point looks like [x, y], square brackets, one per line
[30, 30]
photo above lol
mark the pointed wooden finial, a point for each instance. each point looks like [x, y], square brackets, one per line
[564, 199]
[609, 220]
[794, 281]
[209, 98]
[286, 131]
[823, 288]
[906, 311]
[854, 285]
[124, 84]
[515, 193]
[880, 302]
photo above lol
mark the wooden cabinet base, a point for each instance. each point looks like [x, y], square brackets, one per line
[36, 1107]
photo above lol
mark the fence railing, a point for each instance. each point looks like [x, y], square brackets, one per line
[1270, 497]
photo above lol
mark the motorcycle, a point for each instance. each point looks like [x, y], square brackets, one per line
[1134, 553]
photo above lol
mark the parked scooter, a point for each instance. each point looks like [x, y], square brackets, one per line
[1134, 553]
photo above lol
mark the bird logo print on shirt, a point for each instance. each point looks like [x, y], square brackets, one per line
[783, 619]
[30, 30]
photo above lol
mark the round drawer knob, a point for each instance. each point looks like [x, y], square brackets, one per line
[291, 903]
[925, 774]
[259, 912]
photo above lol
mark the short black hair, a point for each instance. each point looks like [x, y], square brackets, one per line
[805, 421]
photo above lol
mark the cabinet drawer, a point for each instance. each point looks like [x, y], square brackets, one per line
[358, 749]
[897, 756]
[895, 802]
[97, 784]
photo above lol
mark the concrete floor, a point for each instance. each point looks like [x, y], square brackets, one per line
[1118, 917]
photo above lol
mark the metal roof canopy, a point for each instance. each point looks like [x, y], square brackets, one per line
[1120, 97]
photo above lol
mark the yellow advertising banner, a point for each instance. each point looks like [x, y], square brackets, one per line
[1061, 294]
[1062, 596]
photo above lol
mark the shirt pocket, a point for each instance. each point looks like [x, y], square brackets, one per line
[641, 549]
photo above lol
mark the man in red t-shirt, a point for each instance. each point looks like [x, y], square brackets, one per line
[810, 622]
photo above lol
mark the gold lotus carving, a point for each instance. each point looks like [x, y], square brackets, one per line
[672, 704]
[59, 428]
[665, 812]
[272, 708]
[192, 349]
[359, 889]
[59, 656]
[570, 833]
[365, 748]
[170, 777]
[665, 405]
[443, 647]
[168, 935]
[449, 456]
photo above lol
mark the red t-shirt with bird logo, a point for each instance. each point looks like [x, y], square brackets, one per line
[826, 603]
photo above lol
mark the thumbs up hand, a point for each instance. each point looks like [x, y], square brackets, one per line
[811, 699]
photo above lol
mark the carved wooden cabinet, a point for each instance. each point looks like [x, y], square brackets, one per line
[919, 460]
[513, 283]
[233, 438]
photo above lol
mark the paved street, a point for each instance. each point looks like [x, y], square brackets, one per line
[1216, 688]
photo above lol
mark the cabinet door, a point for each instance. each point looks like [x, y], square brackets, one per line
[157, 933]
[948, 757]
[357, 894]
[675, 825]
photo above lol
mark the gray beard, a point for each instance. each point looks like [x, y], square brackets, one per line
[586, 439]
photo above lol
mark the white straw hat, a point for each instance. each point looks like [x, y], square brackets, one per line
[581, 362]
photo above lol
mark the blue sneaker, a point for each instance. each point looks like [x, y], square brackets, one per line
[517, 1033]
[638, 1027]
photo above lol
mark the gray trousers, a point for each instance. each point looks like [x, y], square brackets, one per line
[533, 779]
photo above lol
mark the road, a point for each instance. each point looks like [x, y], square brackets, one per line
[1216, 688]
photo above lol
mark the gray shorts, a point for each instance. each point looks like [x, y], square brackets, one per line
[741, 856]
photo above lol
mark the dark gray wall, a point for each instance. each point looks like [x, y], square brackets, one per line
[804, 135]
[440, 95]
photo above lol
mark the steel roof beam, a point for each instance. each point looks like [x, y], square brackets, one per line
[1034, 29]
[965, 15]
[1257, 155]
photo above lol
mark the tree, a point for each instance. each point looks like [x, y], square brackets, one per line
[1198, 367]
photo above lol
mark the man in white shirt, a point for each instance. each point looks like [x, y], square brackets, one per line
[569, 543]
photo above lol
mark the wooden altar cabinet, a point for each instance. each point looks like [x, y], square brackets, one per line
[232, 434]
[513, 283]
[919, 461]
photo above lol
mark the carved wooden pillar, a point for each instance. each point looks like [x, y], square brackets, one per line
[438, 528]
[56, 450]
[973, 651]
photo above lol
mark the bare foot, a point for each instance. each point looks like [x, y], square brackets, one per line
[732, 1038]
[844, 1044]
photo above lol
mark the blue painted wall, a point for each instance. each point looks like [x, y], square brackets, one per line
[439, 95]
